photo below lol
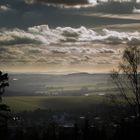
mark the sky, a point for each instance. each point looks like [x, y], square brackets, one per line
[65, 36]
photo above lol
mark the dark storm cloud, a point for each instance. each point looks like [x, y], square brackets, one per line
[23, 14]
[102, 6]
[68, 2]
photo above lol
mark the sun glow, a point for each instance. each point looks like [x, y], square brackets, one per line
[92, 1]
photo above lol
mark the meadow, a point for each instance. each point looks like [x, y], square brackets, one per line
[98, 104]
[21, 103]
[74, 92]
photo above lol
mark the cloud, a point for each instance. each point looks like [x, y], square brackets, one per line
[106, 50]
[22, 15]
[63, 45]
[42, 34]
[23, 54]
[97, 6]
[65, 3]
[5, 8]
[30, 1]
[135, 10]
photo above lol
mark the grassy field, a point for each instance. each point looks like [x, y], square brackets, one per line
[31, 91]
[21, 103]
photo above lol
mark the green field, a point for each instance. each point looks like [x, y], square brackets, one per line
[21, 103]
[73, 92]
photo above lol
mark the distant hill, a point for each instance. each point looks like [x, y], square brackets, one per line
[79, 74]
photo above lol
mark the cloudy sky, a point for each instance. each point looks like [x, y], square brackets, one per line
[65, 35]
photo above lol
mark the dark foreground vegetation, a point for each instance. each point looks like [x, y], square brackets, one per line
[100, 122]
[46, 125]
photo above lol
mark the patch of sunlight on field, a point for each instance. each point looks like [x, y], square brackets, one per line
[18, 103]
[93, 86]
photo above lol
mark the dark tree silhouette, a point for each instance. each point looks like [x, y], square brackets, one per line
[3, 83]
[127, 77]
[4, 109]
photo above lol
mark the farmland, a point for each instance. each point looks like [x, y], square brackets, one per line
[20, 103]
[73, 92]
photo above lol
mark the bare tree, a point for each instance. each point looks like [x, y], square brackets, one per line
[127, 77]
